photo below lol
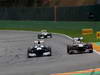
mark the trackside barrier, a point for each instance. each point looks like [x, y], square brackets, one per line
[87, 31]
[98, 35]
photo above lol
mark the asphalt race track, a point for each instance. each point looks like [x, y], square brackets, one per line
[13, 59]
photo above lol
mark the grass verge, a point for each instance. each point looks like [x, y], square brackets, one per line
[72, 29]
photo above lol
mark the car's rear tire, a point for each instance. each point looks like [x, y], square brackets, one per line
[70, 52]
[50, 35]
[90, 51]
[28, 53]
[50, 52]
[69, 49]
[29, 56]
[39, 37]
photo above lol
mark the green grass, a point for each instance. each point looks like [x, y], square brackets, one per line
[71, 33]
[72, 29]
[77, 33]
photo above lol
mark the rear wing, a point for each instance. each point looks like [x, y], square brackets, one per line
[44, 30]
[77, 39]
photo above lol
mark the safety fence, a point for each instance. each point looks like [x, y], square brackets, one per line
[77, 13]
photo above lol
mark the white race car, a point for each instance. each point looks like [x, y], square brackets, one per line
[44, 34]
[79, 47]
[38, 50]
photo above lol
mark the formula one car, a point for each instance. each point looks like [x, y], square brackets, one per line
[44, 34]
[79, 47]
[38, 50]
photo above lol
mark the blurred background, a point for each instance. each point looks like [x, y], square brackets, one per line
[49, 3]
[50, 10]
[60, 16]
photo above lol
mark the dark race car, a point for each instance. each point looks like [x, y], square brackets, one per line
[38, 50]
[44, 34]
[79, 47]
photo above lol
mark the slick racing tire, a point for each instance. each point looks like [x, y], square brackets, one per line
[28, 51]
[50, 35]
[90, 51]
[50, 52]
[39, 37]
[29, 56]
[68, 49]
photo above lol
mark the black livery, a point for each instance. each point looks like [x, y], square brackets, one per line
[79, 47]
[44, 34]
[38, 50]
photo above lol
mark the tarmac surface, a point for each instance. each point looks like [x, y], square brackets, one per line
[14, 61]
